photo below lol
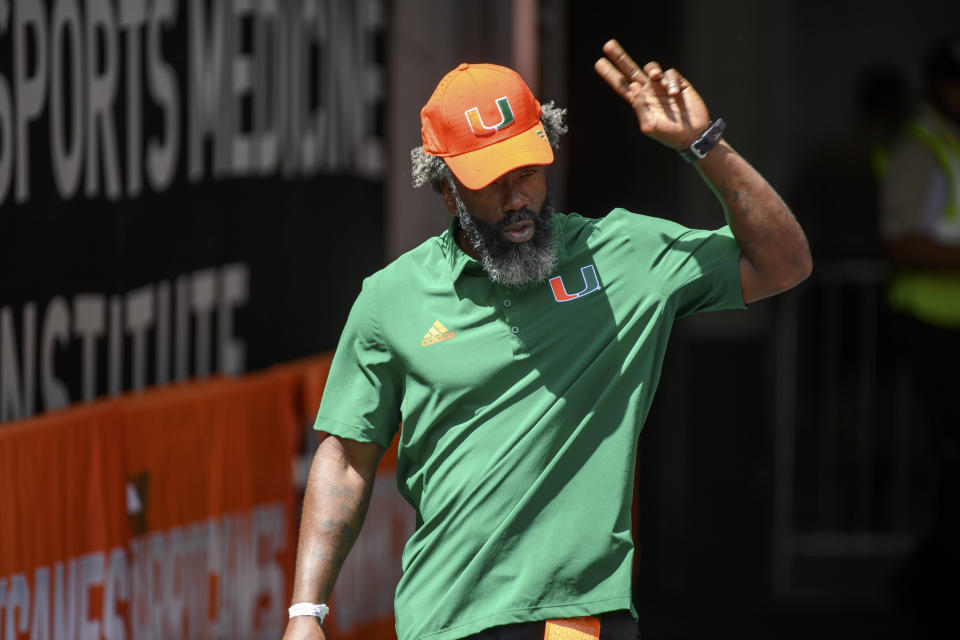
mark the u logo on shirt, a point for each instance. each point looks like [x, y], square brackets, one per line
[590, 284]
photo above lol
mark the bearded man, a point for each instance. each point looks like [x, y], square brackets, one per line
[520, 350]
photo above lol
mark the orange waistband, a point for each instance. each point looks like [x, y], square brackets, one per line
[585, 628]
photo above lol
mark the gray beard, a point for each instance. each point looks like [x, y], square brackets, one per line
[512, 264]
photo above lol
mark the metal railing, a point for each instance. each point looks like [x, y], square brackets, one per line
[846, 482]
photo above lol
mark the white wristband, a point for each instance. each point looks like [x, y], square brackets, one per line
[309, 609]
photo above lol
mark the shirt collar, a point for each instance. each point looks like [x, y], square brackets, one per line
[459, 261]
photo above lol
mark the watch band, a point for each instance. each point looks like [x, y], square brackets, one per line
[707, 140]
[309, 609]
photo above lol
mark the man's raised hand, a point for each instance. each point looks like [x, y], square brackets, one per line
[667, 106]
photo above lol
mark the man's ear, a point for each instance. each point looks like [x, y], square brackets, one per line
[448, 200]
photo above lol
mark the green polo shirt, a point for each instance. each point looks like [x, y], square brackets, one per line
[521, 410]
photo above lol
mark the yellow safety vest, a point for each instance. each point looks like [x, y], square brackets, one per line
[934, 296]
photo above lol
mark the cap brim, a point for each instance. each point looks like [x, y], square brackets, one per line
[477, 169]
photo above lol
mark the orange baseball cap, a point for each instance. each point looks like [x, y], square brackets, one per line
[483, 121]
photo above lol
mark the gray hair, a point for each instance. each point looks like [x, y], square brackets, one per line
[432, 170]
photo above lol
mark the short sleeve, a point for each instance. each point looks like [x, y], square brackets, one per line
[361, 399]
[702, 272]
[696, 270]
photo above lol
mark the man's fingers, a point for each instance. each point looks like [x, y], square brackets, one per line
[613, 77]
[620, 71]
[653, 70]
[630, 69]
[674, 82]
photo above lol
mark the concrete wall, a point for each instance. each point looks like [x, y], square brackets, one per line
[428, 39]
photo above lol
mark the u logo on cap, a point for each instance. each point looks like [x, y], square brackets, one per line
[480, 128]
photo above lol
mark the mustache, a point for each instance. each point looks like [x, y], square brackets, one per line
[517, 215]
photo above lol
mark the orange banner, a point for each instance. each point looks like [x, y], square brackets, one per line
[168, 514]
[61, 513]
[173, 514]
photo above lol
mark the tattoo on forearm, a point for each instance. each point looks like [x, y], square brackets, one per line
[328, 526]
[342, 492]
[739, 202]
[340, 532]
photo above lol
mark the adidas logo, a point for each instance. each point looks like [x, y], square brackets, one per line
[437, 333]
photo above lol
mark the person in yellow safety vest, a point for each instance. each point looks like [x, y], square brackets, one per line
[920, 220]
[920, 224]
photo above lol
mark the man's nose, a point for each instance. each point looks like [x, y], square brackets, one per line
[514, 195]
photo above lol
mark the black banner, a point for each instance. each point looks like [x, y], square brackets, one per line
[186, 188]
